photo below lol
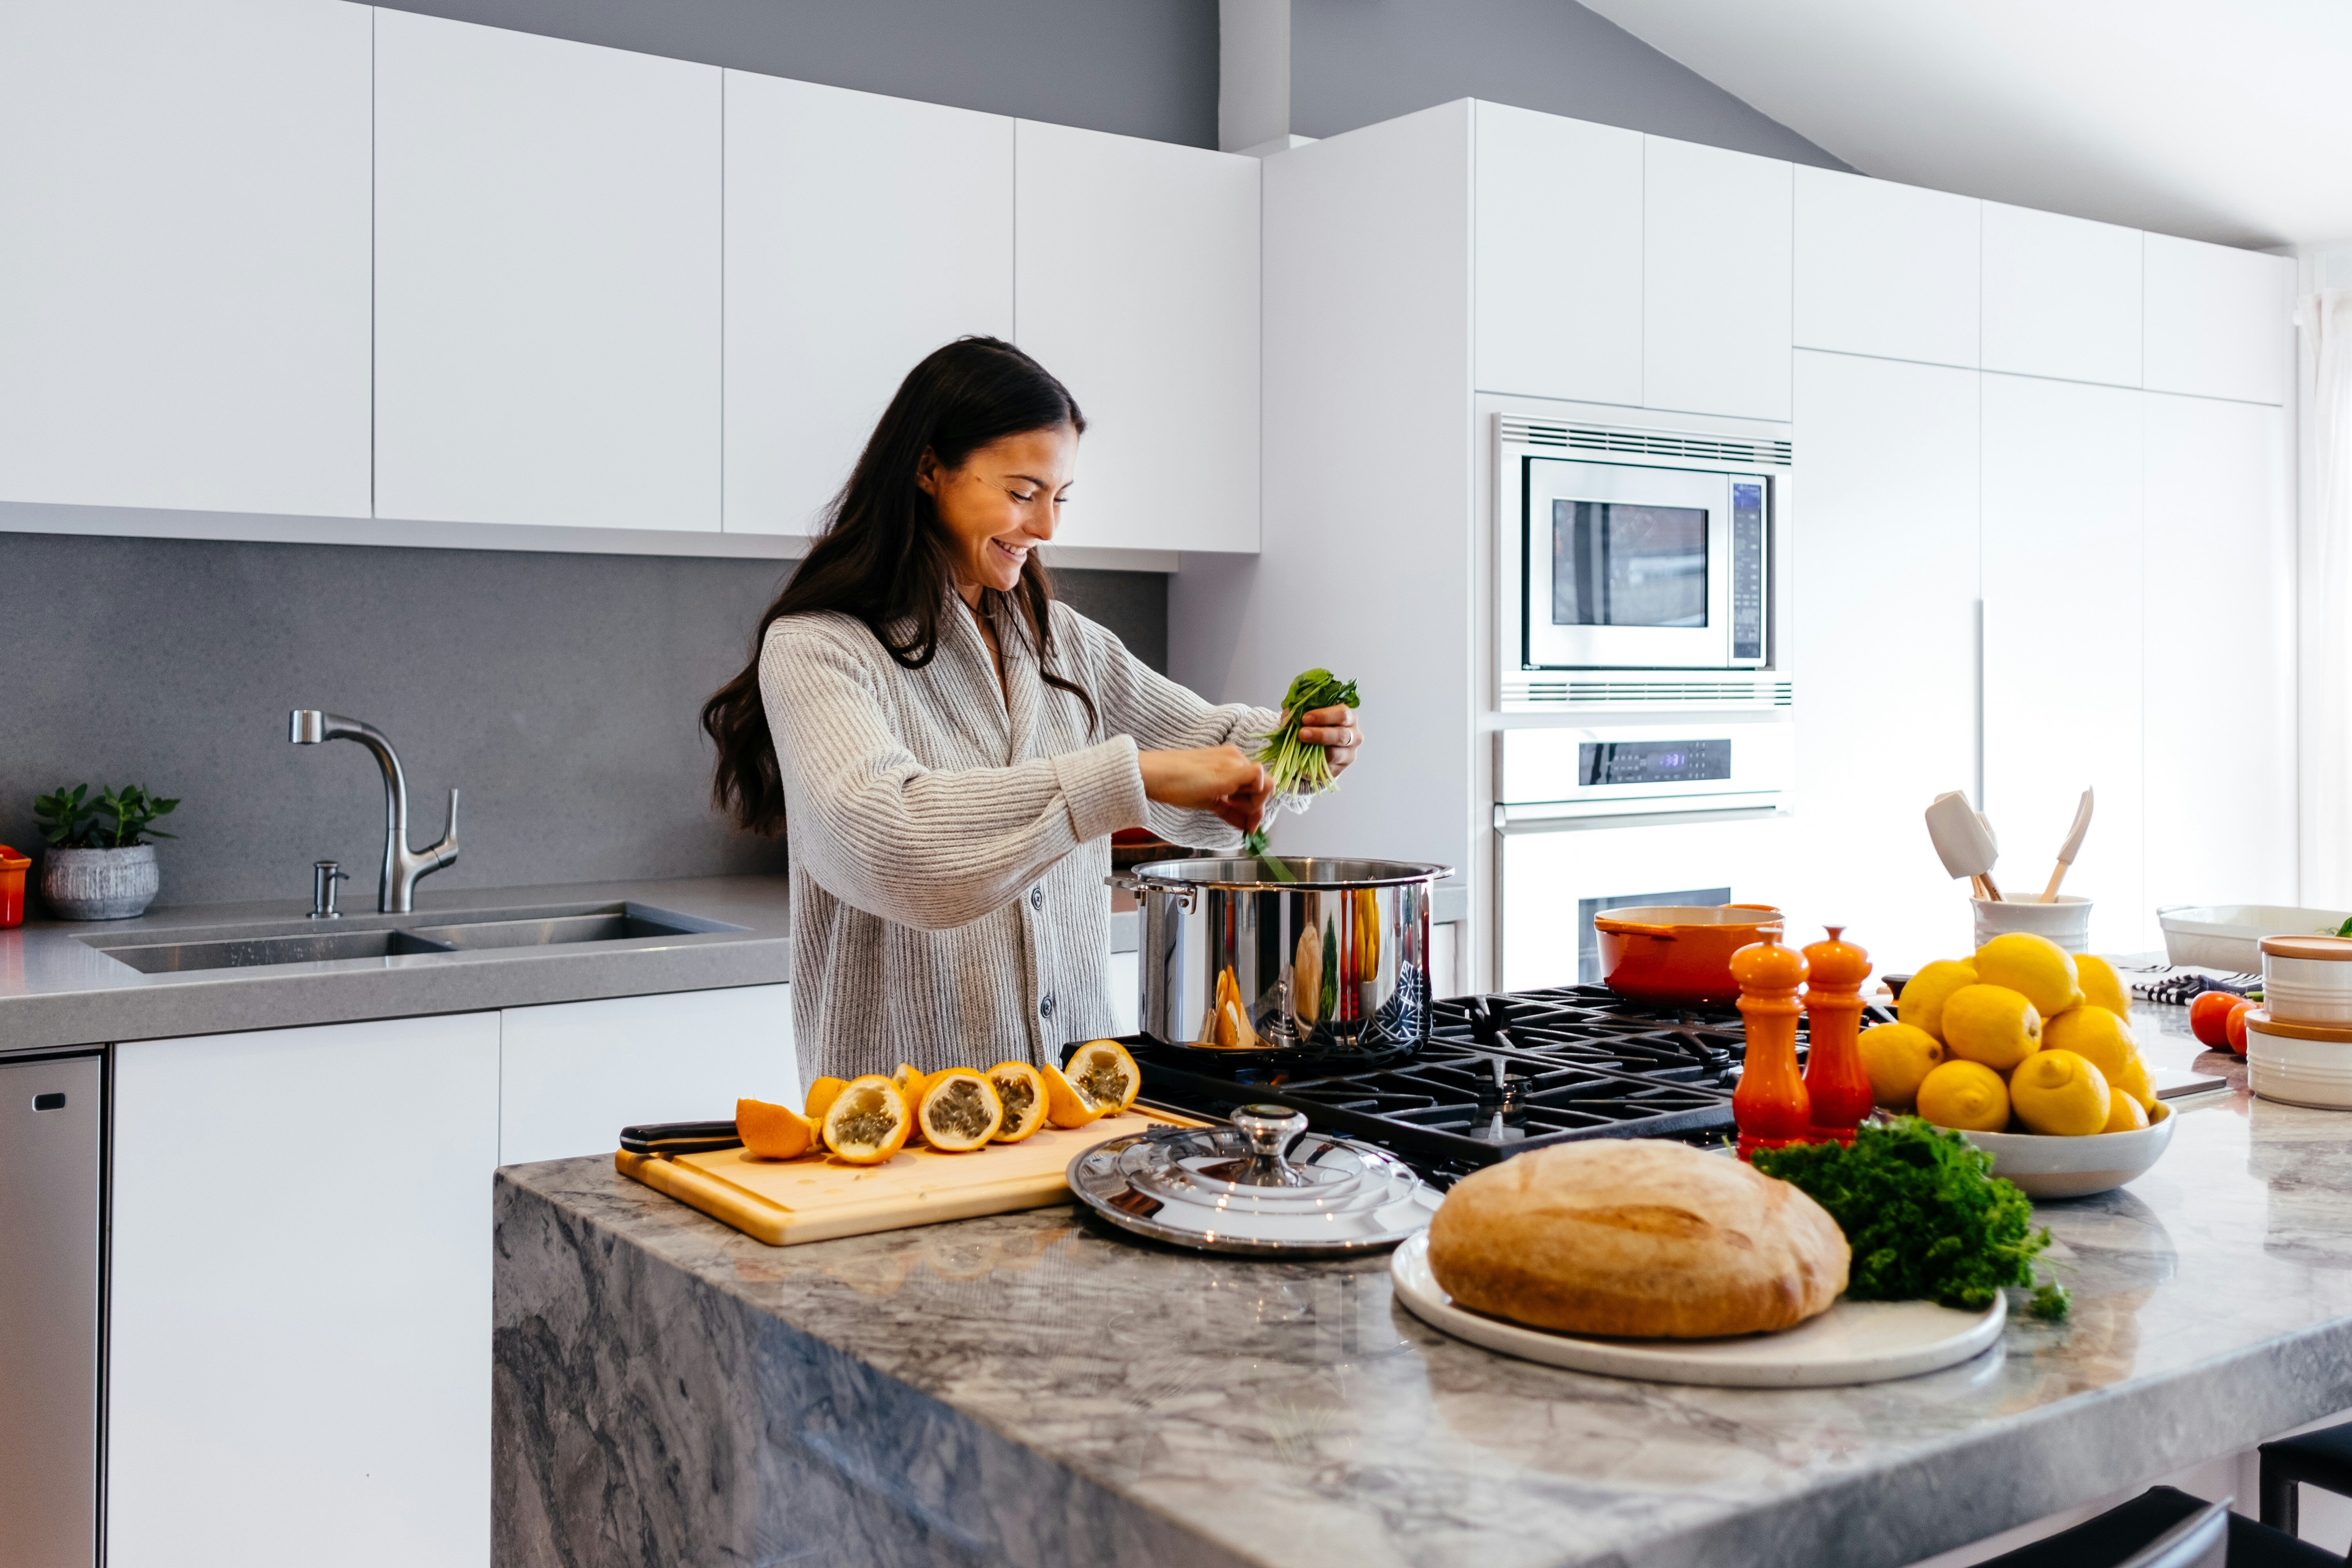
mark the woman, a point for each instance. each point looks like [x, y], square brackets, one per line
[948, 748]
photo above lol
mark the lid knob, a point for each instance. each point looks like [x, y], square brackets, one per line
[1269, 1129]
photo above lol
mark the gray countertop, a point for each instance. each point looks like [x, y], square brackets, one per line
[1031, 1388]
[56, 990]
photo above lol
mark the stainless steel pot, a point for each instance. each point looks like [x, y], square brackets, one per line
[1334, 959]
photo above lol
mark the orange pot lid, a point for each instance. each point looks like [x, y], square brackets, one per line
[12, 861]
[2331, 949]
[2259, 1019]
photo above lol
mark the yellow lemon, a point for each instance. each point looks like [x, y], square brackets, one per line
[2124, 1114]
[2133, 1081]
[2033, 966]
[1898, 1057]
[2060, 1094]
[2102, 986]
[1966, 1095]
[1921, 1005]
[1992, 1024]
[2092, 1031]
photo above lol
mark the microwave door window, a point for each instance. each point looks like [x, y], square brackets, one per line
[1619, 566]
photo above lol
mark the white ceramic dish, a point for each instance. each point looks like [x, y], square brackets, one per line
[2066, 922]
[2227, 937]
[2299, 1072]
[2077, 1167]
[2310, 981]
[1853, 1342]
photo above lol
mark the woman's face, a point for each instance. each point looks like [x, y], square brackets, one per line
[1002, 504]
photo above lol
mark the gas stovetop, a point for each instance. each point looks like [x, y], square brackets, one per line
[1502, 1074]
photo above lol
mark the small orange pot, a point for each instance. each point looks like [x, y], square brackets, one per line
[1679, 955]
[12, 888]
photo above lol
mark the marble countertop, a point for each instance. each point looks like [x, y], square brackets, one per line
[1032, 1387]
[58, 990]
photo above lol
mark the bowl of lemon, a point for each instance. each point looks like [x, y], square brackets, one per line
[2027, 1051]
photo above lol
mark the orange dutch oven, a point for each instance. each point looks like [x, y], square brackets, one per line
[1678, 954]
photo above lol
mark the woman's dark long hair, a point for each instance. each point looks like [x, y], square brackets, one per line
[885, 558]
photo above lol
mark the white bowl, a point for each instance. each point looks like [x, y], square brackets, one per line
[2077, 1167]
[2229, 937]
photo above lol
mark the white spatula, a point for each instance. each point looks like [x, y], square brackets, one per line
[1963, 841]
[2068, 850]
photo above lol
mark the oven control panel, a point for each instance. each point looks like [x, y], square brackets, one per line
[1618, 770]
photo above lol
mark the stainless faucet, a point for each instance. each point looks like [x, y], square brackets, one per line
[402, 866]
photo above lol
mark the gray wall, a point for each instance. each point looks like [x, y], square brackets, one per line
[1140, 68]
[1356, 62]
[558, 691]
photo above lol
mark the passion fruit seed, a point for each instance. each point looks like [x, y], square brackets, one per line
[1018, 1093]
[868, 1121]
[960, 1108]
[1102, 1082]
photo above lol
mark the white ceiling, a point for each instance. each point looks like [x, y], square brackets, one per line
[2221, 120]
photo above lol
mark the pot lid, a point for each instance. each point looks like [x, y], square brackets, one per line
[1264, 1185]
[2260, 1020]
[2331, 948]
[12, 861]
[1288, 873]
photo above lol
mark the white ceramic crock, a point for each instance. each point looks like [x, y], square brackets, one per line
[2308, 979]
[2299, 1063]
[2066, 922]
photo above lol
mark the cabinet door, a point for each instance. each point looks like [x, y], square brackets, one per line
[300, 1299]
[547, 281]
[2061, 296]
[1716, 244]
[1880, 590]
[2216, 319]
[1136, 281]
[184, 292]
[1886, 269]
[1559, 256]
[2063, 642]
[2220, 642]
[862, 232]
[570, 1076]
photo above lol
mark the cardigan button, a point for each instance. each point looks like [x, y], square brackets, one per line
[1037, 897]
[1046, 1005]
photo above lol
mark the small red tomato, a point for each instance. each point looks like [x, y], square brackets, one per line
[2209, 1014]
[2236, 1028]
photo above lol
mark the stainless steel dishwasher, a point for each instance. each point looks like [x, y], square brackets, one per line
[52, 1149]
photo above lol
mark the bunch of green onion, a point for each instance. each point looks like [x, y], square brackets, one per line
[1299, 771]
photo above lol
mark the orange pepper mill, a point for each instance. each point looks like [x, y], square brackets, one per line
[1834, 1080]
[1770, 1104]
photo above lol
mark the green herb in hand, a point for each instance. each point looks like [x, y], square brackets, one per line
[1298, 770]
[1923, 1213]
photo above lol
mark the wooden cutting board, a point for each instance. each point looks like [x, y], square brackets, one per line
[819, 1198]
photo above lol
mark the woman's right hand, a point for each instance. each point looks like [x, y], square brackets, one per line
[1219, 779]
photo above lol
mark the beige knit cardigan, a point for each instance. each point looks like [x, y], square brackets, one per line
[949, 839]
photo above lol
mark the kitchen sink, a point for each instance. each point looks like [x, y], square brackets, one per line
[228, 949]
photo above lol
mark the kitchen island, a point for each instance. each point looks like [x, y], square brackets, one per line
[1034, 1389]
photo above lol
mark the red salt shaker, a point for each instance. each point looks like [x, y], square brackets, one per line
[1770, 1104]
[1835, 1083]
[12, 888]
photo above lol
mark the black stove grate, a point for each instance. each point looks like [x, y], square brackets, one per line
[1502, 1074]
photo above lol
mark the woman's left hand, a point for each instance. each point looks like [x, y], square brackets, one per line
[1336, 730]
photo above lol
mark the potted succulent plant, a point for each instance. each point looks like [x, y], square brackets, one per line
[100, 864]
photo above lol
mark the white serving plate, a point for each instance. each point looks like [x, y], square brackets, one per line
[2077, 1167]
[2229, 937]
[1853, 1342]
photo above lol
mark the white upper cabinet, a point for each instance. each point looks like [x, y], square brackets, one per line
[1886, 269]
[2062, 296]
[1559, 266]
[1714, 272]
[1136, 282]
[184, 287]
[547, 281]
[2217, 320]
[862, 232]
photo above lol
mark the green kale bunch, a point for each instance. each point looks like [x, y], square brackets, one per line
[1924, 1216]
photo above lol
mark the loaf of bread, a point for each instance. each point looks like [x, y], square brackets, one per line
[1636, 1238]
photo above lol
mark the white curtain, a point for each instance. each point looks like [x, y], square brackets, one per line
[2324, 562]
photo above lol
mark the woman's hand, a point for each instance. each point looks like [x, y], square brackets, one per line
[1218, 779]
[1336, 730]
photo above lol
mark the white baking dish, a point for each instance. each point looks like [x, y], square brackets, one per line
[2228, 936]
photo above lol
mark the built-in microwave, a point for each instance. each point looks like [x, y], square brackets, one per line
[1647, 554]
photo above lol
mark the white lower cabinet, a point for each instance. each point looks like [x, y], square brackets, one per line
[570, 1076]
[300, 1300]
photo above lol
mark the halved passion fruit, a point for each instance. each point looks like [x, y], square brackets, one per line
[1104, 1074]
[1066, 1105]
[1024, 1094]
[960, 1111]
[821, 1096]
[774, 1132]
[867, 1122]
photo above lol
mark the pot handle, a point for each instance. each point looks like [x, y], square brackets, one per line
[1634, 928]
[1129, 882]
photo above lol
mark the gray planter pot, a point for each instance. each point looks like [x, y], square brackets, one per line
[99, 884]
